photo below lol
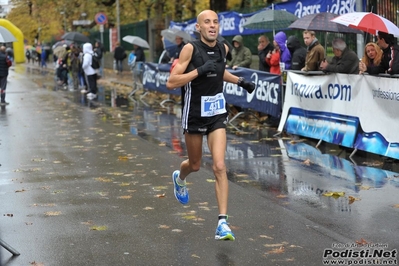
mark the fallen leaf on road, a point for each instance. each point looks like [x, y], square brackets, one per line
[125, 197]
[396, 206]
[334, 194]
[365, 187]
[211, 180]
[276, 250]
[281, 196]
[265, 236]
[99, 228]
[352, 199]
[163, 226]
[148, 208]
[22, 190]
[161, 195]
[361, 242]
[55, 213]
[195, 256]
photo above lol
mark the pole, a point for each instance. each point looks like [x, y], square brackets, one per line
[359, 37]
[118, 21]
[102, 43]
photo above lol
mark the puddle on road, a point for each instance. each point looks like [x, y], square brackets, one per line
[289, 170]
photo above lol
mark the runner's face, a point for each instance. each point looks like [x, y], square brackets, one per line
[208, 26]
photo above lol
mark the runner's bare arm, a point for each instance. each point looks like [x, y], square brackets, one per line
[178, 78]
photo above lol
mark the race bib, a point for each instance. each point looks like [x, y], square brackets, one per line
[213, 105]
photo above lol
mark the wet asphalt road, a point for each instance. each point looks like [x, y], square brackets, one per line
[82, 183]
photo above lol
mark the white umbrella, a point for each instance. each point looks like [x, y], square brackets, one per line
[171, 34]
[136, 40]
[6, 35]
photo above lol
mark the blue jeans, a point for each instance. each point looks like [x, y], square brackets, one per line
[119, 66]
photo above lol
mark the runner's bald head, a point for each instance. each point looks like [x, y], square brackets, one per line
[205, 13]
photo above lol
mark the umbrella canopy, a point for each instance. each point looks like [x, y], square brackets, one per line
[368, 22]
[270, 19]
[171, 34]
[6, 35]
[136, 40]
[61, 43]
[75, 36]
[321, 22]
[59, 51]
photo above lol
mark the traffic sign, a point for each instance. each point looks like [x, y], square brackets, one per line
[101, 18]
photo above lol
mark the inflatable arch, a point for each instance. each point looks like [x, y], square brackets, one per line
[18, 45]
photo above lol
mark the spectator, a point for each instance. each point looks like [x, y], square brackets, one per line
[180, 44]
[140, 59]
[298, 53]
[99, 51]
[75, 66]
[264, 47]
[241, 55]
[5, 63]
[273, 60]
[390, 59]
[131, 61]
[119, 56]
[28, 55]
[90, 73]
[371, 59]
[280, 39]
[43, 58]
[344, 60]
[315, 53]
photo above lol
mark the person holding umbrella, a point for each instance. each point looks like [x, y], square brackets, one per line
[390, 60]
[315, 53]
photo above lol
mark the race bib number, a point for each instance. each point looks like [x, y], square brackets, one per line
[213, 105]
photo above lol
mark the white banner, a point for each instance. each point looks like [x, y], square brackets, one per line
[356, 111]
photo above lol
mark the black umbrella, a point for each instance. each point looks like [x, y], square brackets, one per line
[321, 22]
[75, 36]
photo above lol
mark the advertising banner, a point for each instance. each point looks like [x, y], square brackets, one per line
[265, 99]
[355, 111]
[231, 23]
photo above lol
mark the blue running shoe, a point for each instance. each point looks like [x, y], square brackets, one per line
[181, 192]
[223, 232]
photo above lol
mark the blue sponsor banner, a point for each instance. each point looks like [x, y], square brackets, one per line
[267, 95]
[265, 99]
[155, 77]
[231, 23]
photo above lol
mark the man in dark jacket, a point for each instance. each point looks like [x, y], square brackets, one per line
[264, 47]
[119, 56]
[344, 60]
[390, 59]
[298, 53]
[3, 75]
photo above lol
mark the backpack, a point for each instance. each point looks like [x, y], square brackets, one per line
[95, 61]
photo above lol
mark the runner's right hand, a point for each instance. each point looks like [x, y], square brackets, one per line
[209, 66]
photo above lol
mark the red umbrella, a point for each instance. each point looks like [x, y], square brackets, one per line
[368, 22]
